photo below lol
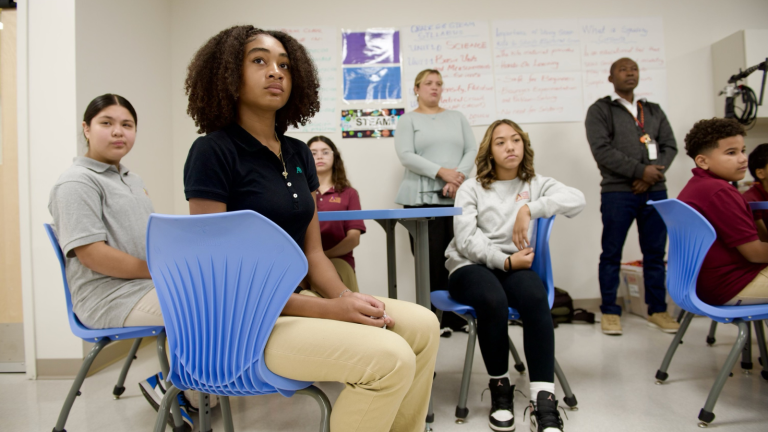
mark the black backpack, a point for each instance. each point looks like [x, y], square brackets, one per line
[563, 311]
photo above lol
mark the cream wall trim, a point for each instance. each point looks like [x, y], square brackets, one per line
[22, 111]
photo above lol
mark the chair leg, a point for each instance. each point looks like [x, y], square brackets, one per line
[162, 412]
[661, 374]
[204, 402]
[519, 366]
[119, 387]
[711, 336]
[74, 391]
[706, 415]
[746, 354]
[162, 357]
[430, 416]
[461, 409]
[569, 398]
[325, 406]
[760, 334]
[680, 316]
[226, 414]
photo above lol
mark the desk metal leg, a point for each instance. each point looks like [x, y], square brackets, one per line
[389, 229]
[419, 229]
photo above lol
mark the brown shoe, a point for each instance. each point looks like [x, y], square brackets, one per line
[611, 324]
[663, 322]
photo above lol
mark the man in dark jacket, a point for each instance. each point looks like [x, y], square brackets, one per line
[633, 146]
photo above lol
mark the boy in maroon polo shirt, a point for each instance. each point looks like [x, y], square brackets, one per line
[336, 194]
[734, 270]
[758, 167]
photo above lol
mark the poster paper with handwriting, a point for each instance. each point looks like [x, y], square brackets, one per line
[461, 51]
[537, 67]
[321, 44]
[606, 40]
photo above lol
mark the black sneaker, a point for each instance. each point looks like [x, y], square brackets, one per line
[502, 417]
[544, 414]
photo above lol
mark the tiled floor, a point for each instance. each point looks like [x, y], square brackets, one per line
[612, 377]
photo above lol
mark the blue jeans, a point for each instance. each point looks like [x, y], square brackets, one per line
[619, 209]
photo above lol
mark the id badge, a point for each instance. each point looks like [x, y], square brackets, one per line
[653, 149]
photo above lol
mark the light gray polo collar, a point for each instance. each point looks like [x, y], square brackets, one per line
[96, 166]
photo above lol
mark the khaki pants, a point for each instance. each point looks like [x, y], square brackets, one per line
[346, 273]
[387, 373]
[146, 312]
[756, 292]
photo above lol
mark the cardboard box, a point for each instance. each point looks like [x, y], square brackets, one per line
[632, 288]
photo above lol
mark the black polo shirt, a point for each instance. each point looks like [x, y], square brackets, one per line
[233, 167]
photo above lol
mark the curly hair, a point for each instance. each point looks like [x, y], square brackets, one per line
[486, 172]
[338, 173]
[705, 134]
[215, 73]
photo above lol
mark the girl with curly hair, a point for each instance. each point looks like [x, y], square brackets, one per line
[335, 193]
[489, 261]
[245, 87]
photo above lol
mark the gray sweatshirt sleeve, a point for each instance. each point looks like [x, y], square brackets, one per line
[555, 198]
[605, 154]
[470, 148]
[667, 143]
[469, 240]
[406, 150]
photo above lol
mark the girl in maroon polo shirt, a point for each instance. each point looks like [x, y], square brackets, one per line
[336, 194]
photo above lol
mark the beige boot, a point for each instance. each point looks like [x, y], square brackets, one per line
[611, 324]
[664, 322]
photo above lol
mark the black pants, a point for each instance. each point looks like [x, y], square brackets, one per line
[490, 292]
[440, 235]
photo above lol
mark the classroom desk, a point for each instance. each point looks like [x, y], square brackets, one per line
[415, 221]
[758, 205]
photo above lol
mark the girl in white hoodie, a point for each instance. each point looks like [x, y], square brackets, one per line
[489, 261]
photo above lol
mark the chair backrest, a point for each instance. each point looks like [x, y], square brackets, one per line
[222, 281]
[690, 237]
[542, 261]
[78, 329]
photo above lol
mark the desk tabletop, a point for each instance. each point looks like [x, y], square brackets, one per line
[759, 205]
[412, 213]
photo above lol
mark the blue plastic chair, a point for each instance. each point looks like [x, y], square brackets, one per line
[690, 237]
[222, 281]
[101, 338]
[542, 265]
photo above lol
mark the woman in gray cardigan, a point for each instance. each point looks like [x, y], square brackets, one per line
[437, 148]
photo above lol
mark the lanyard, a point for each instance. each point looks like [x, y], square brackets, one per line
[640, 122]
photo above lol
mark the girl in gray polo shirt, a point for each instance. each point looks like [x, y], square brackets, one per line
[100, 211]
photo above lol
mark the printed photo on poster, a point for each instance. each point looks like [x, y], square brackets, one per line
[371, 66]
[370, 123]
[372, 46]
[372, 84]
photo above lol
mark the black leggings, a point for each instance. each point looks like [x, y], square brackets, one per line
[490, 292]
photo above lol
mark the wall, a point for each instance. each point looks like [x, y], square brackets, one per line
[93, 48]
[561, 149]
[47, 144]
[131, 56]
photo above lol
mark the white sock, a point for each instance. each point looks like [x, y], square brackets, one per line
[537, 386]
[504, 375]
